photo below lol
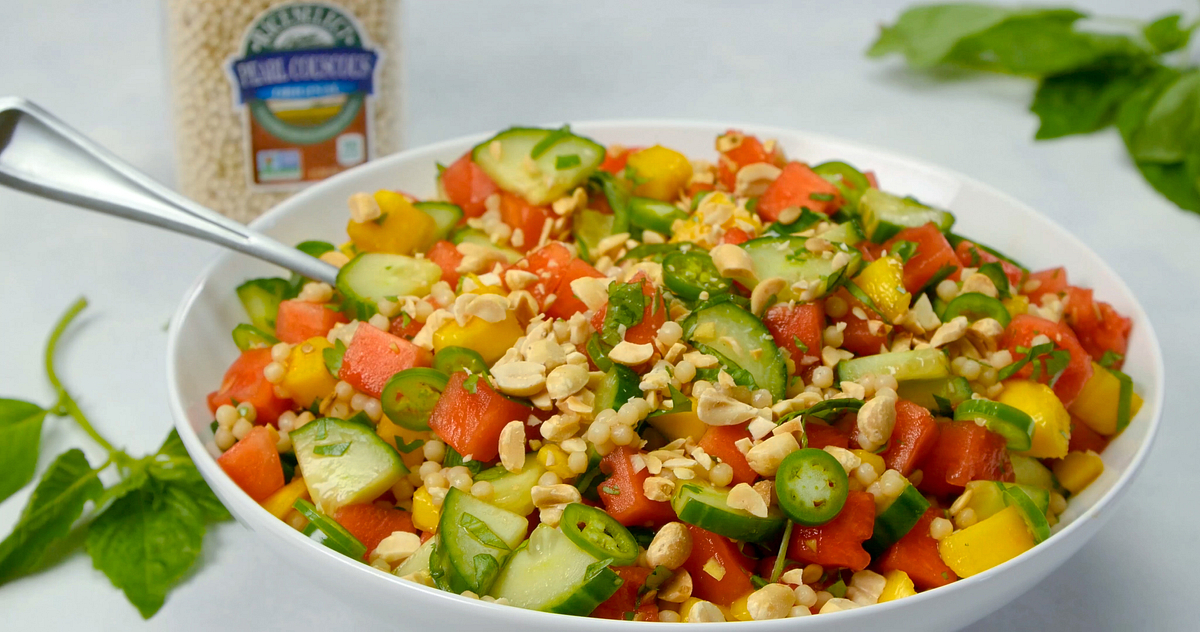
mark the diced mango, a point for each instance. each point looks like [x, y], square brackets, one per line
[1016, 304]
[875, 460]
[986, 544]
[662, 172]
[1097, 403]
[393, 433]
[554, 459]
[674, 426]
[307, 378]
[402, 229]
[489, 340]
[883, 281]
[987, 498]
[898, 586]
[425, 515]
[1052, 422]
[739, 610]
[280, 503]
[1078, 469]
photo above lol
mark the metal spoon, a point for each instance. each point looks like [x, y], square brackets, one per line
[40, 154]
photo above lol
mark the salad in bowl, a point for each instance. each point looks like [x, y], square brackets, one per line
[627, 383]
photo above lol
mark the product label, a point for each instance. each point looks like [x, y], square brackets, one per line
[303, 80]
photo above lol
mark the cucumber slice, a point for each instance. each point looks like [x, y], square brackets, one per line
[537, 163]
[918, 364]
[374, 276]
[260, 298]
[1030, 472]
[418, 561]
[445, 215]
[788, 259]
[471, 531]
[742, 339]
[849, 233]
[884, 215]
[551, 573]
[590, 226]
[620, 384]
[345, 462]
[247, 337]
[954, 390]
[654, 215]
[897, 519]
[513, 490]
[703, 505]
[478, 237]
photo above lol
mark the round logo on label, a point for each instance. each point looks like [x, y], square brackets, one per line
[304, 72]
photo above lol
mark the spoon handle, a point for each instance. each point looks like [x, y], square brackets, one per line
[40, 154]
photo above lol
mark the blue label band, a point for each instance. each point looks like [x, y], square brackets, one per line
[306, 73]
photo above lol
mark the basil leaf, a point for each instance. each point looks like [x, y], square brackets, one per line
[1041, 43]
[332, 449]
[481, 533]
[1165, 134]
[405, 448]
[1174, 181]
[20, 439]
[626, 306]
[995, 272]
[1084, 101]
[486, 568]
[453, 458]
[595, 568]
[146, 542]
[925, 35]
[333, 357]
[55, 505]
[1165, 35]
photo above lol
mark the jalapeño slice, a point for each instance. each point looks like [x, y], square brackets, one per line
[410, 395]
[812, 486]
[599, 534]
[451, 359]
[1015, 425]
[687, 274]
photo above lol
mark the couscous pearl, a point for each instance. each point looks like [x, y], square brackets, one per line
[812, 573]
[274, 372]
[578, 462]
[833, 337]
[241, 428]
[224, 439]
[940, 528]
[482, 490]
[246, 411]
[434, 450]
[343, 390]
[947, 290]
[280, 351]
[598, 432]
[549, 478]
[359, 401]
[835, 307]
[622, 435]
[373, 409]
[721, 474]
[429, 467]
[227, 415]
[822, 377]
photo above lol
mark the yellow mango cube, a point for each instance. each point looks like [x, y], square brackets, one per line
[554, 459]
[898, 586]
[674, 426]
[425, 515]
[663, 172]
[1097, 403]
[986, 544]
[875, 460]
[1016, 305]
[1078, 469]
[402, 229]
[307, 379]
[739, 610]
[883, 281]
[1052, 422]
[394, 433]
[489, 340]
[280, 503]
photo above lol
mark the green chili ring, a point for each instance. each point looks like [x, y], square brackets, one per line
[599, 534]
[1015, 425]
[451, 359]
[812, 486]
[410, 395]
[688, 274]
[976, 304]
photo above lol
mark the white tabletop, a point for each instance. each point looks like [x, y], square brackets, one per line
[473, 67]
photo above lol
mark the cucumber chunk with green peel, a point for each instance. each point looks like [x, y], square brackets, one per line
[480, 238]
[540, 165]
[620, 384]
[551, 573]
[884, 215]
[418, 561]
[849, 233]
[1030, 472]
[374, 276]
[742, 339]
[788, 258]
[247, 337]
[953, 390]
[514, 490]
[705, 506]
[261, 298]
[475, 539]
[918, 364]
[445, 216]
[345, 462]
[590, 227]
[896, 519]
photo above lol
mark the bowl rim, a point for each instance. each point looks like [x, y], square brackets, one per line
[1100, 511]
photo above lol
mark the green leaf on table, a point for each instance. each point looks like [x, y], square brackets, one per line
[20, 438]
[1167, 131]
[1137, 105]
[926, 34]
[55, 505]
[1041, 44]
[146, 541]
[1083, 101]
[1165, 34]
[1174, 182]
[173, 464]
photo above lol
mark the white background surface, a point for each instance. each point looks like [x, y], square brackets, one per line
[473, 67]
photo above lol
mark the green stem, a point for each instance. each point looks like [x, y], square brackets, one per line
[66, 404]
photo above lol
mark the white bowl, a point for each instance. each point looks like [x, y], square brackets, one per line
[199, 350]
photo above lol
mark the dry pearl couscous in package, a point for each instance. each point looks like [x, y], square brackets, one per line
[622, 382]
[272, 95]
